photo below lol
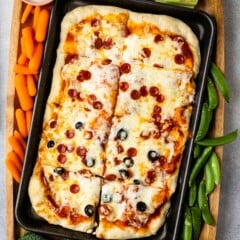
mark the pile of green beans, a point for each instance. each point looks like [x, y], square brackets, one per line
[206, 172]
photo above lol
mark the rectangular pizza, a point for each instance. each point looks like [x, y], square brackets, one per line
[116, 122]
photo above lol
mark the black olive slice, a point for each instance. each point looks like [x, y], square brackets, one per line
[129, 162]
[79, 125]
[122, 134]
[124, 173]
[59, 170]
[141, 206]
[89, 210]
[153, 156]
[50, 144]
[90, 162]
[136, 182]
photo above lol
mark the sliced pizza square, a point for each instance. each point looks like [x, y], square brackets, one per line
[131, 210]
[77, 120]
[95, 34]
[63, 198]
[162, 42]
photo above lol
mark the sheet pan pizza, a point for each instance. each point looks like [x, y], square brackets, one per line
[116, 122]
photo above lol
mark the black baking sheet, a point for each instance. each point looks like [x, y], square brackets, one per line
[204, 28]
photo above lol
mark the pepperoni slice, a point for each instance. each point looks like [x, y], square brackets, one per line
[160, 98]
[98, 43]
[63, 212]
[62, 158]
[97, 105]
[179, 59]
[70, 133]
[84, 75]
[53, 124]
[62, 148]
[107, 44]
[132, 152]
[72, 93]
[92, 98]
[158, 38]
[81, 151]
[123, 86]
[151, 176]
[126, 32]
[135, 94]
[125, 68]
[110, 177]
[157, 109]
[74, 188]
[70, 58]
[154, 91]
[143, 91]
[146, 52]
[95, 22]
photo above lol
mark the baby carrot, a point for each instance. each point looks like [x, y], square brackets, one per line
[22, 59]
[25, 100]
[42, 25]
[21, 122]
[28, 119]
[21, 69]
[17, 134]
[28, 39]
[26, 13]
[12, 155]
[31, 85]
[36, 59]
[17, 147]
[22, 45]
[13, 166]
[37, 10]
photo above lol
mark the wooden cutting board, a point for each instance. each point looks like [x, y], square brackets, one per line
[213, 7]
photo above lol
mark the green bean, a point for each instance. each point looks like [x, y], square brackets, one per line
[203, 204]
[215, 166]
[228, 138]
[196, 222]
[209, 177]
[199, 164]
[192, 195]
[187, 225]
[220, 81]
[197, 150]
[205, 120]
[212, 94]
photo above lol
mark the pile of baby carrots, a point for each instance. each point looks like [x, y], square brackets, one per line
[34, 25]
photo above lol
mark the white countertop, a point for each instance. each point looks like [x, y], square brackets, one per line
[229, 215]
